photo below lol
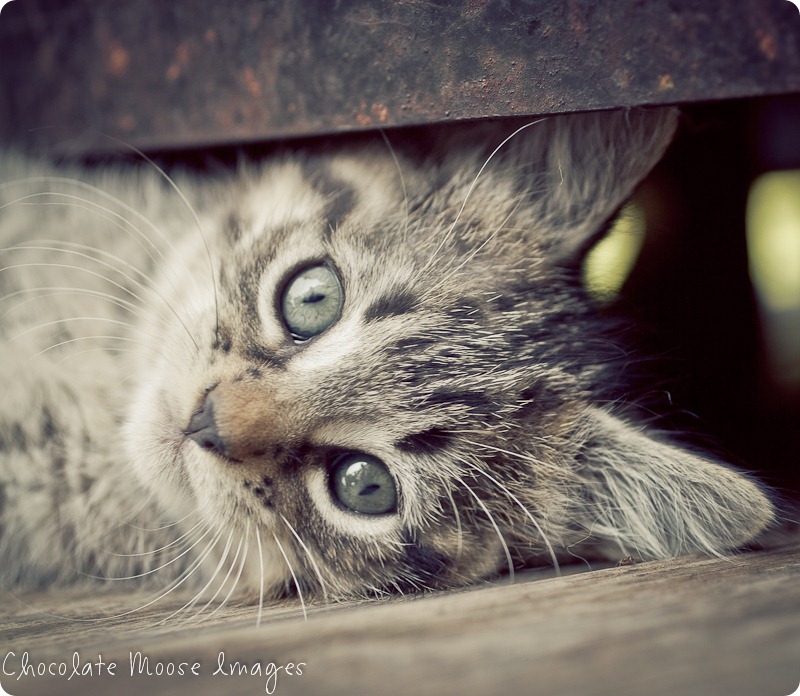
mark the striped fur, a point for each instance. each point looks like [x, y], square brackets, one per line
[465, 357]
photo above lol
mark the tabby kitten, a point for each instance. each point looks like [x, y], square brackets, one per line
[346, 374]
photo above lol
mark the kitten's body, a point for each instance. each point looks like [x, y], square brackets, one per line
[464, 357]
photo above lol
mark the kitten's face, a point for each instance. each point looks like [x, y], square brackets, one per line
[379, 381]
[347, 369]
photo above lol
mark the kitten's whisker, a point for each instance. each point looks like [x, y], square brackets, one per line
[105, 349]
[402, 183]
[208, 584]
[161, 567]
[106, 337]
[443, 281]
[525, 510]
[238, 574]
[45, 292]
[175, 584]
[81, 338]
[56, 291]
[459, 530]
[109, 197]
[193, 213]
[111, 218]
[294, 577]
[310, 557]
[174, 542]
[171, 587]
[496, 529]
[121, 263]
[261, 577]
[446, 237]
[68, 267]
[134, 281]
[95, 208]
[169, 525]
[222, 584]
[68, 320]
[141, 531]
[107, 320]
[525, 457]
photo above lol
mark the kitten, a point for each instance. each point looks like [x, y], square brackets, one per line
[346, 374]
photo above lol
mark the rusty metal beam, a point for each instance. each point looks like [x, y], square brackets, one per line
[187, 73]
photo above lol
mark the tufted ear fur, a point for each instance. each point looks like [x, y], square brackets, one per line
[646, 497]
[572, 172]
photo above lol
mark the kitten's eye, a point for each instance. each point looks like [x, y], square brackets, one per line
[311, 301]
[363, 484]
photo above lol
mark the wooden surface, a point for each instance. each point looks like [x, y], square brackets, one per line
[691, 626]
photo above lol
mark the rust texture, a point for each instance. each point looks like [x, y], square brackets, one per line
[184, 73]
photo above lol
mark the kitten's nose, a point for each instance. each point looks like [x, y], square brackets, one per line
[203, 430]
[243, 420]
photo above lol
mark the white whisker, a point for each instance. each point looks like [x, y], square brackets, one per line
[68, 320]
[116, 259]
[171, 587]
[310, 558]
[525, 510]
[447, 236]
[442, 282]
[80, 254]
[210, 581]
[261, 577]
[44, 292]
[152, 552]
[109, 197]
[402, 183]
[294, 577]
[235, 583]
[155, 570]
[192, 212]
[496, 529]
[223, 583]
[82, 338]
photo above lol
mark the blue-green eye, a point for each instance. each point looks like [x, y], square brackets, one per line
[311, 301]
[363, 484]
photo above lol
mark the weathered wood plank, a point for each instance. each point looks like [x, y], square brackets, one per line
[180, 73]
[691, 626]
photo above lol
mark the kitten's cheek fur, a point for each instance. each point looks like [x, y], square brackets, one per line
[155, 449]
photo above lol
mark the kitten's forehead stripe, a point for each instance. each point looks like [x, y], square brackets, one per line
[395, 304]
[257, 354]
[338, 207]
[472, 399]
[403, 346]
[340, 198]
[425, 442]
[232, 227]
[222, 340]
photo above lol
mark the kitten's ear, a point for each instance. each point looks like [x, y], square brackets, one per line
[652, 499]
[579, 169]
